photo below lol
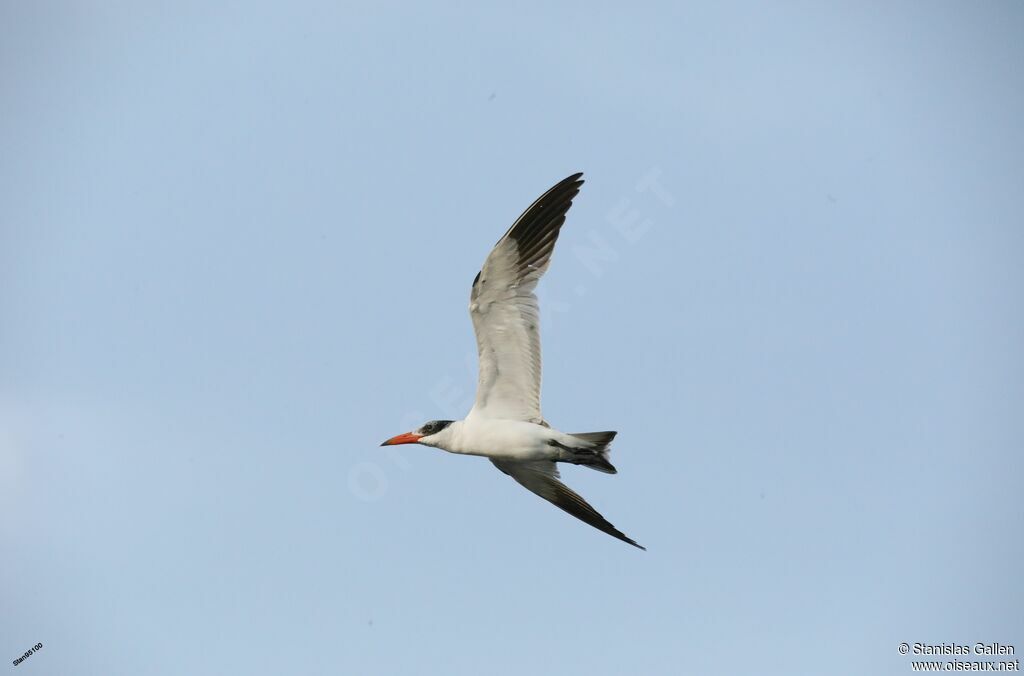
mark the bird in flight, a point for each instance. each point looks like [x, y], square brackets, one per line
[505, 423]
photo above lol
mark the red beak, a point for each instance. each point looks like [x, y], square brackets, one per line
[407, 438]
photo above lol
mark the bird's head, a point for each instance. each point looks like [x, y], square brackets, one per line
[429, 434]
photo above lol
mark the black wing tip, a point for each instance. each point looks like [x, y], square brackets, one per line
[562, 192]
[633, 542]
[619, 535]
[570, 183]
[573, 182]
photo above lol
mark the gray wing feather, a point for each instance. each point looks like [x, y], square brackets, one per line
[504, 308]
[541, 477]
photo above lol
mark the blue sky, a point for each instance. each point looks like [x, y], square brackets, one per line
[236, 245]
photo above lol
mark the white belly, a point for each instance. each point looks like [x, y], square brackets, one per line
[504, 439]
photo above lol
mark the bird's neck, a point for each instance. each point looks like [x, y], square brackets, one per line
[454, 439]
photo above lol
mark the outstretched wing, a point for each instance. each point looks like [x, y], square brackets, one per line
[541, 477]
[505, 312]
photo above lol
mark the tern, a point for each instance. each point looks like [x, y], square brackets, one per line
[505, 423]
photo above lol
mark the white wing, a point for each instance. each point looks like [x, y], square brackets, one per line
[505, 313]
[541, 477]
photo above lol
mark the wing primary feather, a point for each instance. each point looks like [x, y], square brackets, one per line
[560, 194]
[541, 478]
[504, 309]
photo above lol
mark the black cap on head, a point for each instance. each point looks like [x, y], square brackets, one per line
[434, 426]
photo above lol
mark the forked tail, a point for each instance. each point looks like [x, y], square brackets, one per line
[592, 450]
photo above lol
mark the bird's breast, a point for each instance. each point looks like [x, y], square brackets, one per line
[507, 439]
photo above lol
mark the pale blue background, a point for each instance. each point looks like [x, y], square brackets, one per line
[235, 254]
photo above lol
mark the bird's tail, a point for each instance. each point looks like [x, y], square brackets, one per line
[593, 450]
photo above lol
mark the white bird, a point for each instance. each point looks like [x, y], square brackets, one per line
[505, 423]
